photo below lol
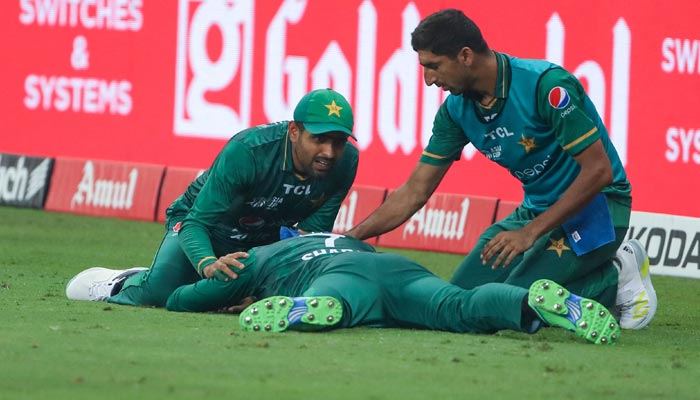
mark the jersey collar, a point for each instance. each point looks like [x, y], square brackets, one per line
[503, 77]
[491, 111]
[287, 160]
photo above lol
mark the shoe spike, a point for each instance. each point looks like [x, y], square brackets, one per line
[330, 318]
[560, 292]
[612, 325]
[311, 317]
[589, 306]
[603, 340]
[254, 310]
[545, 285]
[268, 327]
[268, 305]
[331, 303]
[282, 324]
[256, 327]
[248, 320]
[314, 303]
[602, 313]
[539, 299]
[283, 302]
[557, 306]
[583, 324]
[594, 335]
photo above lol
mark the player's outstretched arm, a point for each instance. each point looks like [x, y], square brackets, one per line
[402, 203]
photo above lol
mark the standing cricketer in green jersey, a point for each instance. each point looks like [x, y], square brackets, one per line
[266, 177]
[325, 280]
[534, 119]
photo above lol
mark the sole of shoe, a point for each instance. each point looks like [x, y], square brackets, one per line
[587, 318]
[279, 313]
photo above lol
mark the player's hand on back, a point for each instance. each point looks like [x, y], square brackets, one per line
[224, 268]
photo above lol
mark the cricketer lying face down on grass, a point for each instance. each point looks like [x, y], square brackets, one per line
[323, 281]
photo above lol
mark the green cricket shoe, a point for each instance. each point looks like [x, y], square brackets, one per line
[279, 313]
[556, 306]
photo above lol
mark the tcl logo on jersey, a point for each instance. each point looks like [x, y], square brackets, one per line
[559, 98]
[204, 87]
[297, 189]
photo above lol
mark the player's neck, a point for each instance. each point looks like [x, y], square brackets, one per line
[487, 72]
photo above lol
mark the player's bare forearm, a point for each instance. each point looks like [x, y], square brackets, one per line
[397, 208]
[402, 203]
[595, 174]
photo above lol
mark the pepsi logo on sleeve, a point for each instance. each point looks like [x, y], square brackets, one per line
[559, 98]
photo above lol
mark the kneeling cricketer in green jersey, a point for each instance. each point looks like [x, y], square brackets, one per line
[266, 177]
[534, 119]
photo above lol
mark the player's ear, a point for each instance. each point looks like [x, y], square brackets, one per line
[465, 56]
[294, 131]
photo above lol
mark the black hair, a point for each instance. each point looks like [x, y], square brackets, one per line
[446, 32]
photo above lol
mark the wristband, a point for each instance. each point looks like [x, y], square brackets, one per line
[199, 265]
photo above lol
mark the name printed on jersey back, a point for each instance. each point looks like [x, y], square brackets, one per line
[324, 252]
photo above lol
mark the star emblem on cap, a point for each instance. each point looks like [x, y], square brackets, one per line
[333, 108]
[558, 246]
[528, 144]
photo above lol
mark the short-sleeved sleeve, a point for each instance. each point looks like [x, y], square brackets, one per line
[447, 141]
[561, 103]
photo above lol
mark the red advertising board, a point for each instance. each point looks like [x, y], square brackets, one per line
[168, 82]
[504, 208]
[109, 189]
[448, 223]
[358, 205]
[175, 181]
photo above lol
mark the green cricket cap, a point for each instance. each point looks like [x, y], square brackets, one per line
[325, 110]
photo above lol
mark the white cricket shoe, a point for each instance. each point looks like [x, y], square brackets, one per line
[96, 283]
[636, 299]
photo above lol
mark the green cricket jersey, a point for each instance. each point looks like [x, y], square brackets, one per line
[251, 190]
[540, 118]
[289, 266]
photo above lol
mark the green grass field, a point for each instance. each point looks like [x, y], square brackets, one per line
[53, 348]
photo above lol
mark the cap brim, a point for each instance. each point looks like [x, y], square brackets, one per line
[318, 128]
